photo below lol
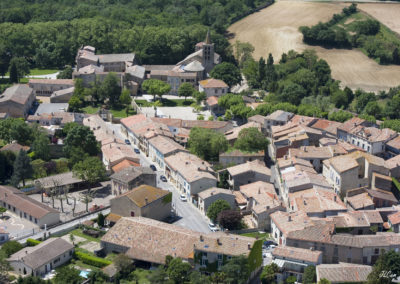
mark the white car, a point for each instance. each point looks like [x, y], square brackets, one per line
[182, 197]
[212, 227]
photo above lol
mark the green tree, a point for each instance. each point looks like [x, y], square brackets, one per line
[324, 281]
[270, 73]
[123, 264]
[310, 275]
[198, 278]
[7, 159]
[40, 146]
[206, 143]
[67, 275]
[236, 270]
[178, 271]
[10, 248]
[13, 73]
[227, 72]
[75, 103]
[39, 170]
[92, 171]
[293, 93]
[230, 219]
[21, 65]
[66, 73]
[251, 140]
[110, 88]
[125, 98]
[217, 207]
[81, 137]
[340, 116]
[268, 273]
[156, 87]
[158, 276]
[386, 269]
[79, 89]
[363, 100]
[2, 211]
[291, 280]
[373, 108]
[22, 168]
[199, 96]
[100, 220]
[393, 124]
[243, 52]
[186, 90]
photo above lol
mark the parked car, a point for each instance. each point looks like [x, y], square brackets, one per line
[127, 142]
[213, 227]
[268, 243]
[136, 151]
[163, 178]
[182, 197]
[153, 167]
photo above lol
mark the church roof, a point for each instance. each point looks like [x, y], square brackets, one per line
[194, 66]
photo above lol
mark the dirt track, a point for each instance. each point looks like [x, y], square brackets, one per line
[275, 30]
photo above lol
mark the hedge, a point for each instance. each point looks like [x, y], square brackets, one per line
[255, 257]
[92, 260]
[32, 242]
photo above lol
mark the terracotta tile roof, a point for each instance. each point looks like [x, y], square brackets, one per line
[112, 217]
[327, 125]
[257, 188]
[293, 161]
[144, 194]
[288, 222]
[394, 143]
[311, 152]
[382, 194]
[190, 166]
[19, 200]
[132, 120]
[165, 145]
[52, 81]
[115, 152]
[41, 254]
[373, 134]
[347, 162]
[213, 83]
[294, 178]
[304, 120]
[320, 232]
[239, 198]
[214, 191]
[212, 101]
[352, 123]
[14, 147]
[394, 218]
[293, 253]
[363, 241]
[280, 115]
[344, 272]
[238, 153]
[124, 165]
[257, 118]
[253, 166]
[130, 173]
[234, 133]
[317, 201]
[360, 201]
[393, 163]
[19, 94]
[150, 240]
[357, 219]
[62, 179]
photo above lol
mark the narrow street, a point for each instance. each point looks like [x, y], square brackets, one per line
[189, 216]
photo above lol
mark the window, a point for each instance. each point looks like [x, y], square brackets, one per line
[35, 221]
[216, 91]
[132, 214]
[376, 251]
[220, 257]
[24, 215]
[30, 218]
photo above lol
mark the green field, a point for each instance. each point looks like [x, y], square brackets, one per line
[35, 72]
[257, 235]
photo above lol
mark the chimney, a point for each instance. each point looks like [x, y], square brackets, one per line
[289, 218]
[267, 207]
[146, 200]
[249, 246]
[334, 198]
[259, 191]
[285, 157]
[219, 242]
[212, 193]
[201, 238]
[305, 202]
[305, 148]
[311, 248]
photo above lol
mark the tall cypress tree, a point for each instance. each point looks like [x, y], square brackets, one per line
[22, 168]
[13, 72]
[261, 71]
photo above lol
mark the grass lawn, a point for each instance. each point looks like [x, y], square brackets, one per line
[42, 71]
[90, 109]
[79, 233]
[121, 113]
[258, 235]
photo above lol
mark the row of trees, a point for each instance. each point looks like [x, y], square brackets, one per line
[360, 33]
[208, 144]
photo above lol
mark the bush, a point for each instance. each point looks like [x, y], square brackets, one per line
[11, 247]
[92, 260]
[32, 242]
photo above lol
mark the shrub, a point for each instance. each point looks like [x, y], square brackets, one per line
[32, 242]
[92, 260]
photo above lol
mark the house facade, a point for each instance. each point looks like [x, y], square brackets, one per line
[17, 100]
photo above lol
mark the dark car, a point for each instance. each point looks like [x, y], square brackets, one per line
[127, 142]
[136, 151]
[153, 167]
[268, 243]
[163, 178]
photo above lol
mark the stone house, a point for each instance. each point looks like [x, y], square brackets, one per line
[17, 100]
[25, 207]
[247, 173]
[343, 272]
[353, 170]
[394, 222]
[42, 258]
[144, 201]
[213, 87]
[278, 117]
[62, 96]
[209, 196]
[161, 147]
[239, 157]
[131, 177]
[46, 87]
[189, 174]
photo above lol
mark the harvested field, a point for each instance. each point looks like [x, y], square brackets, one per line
[275, 30]
[387, 13]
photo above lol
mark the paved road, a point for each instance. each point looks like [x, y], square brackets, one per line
[190, 217]
[65, 226]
